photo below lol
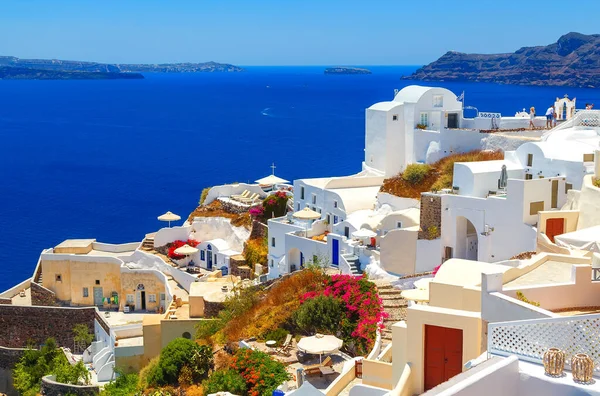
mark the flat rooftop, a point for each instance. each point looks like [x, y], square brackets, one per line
[550, 272]
[131, 341]
[115, 319]
[75, 243]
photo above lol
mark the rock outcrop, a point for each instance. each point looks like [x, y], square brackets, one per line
[574, 60]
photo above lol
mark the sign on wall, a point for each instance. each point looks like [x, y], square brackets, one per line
[483, 114]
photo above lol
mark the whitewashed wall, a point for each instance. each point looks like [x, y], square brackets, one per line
[230, 189]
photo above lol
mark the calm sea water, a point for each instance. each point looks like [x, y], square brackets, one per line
[102, 159]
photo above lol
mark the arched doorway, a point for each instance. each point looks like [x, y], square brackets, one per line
[294, 259]
[466, 239]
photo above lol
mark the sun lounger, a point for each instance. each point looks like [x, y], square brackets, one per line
[316, 368]
[250, 199]
[287, 344]
[245, 194]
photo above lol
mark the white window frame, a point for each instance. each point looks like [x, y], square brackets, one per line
[86, 292]
[424, 118]
[152, 298]
[130, 299]
[438, 100]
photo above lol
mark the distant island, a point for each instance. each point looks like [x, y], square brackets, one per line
[63, 69]
[574, 60]
[21, 73]
[347, 70]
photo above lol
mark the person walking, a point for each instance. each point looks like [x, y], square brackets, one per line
[531, 117]
[549, 117]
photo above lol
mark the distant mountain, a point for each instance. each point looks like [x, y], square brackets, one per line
[23, 73]
[574, 60]
[346, 70]
[64, 65]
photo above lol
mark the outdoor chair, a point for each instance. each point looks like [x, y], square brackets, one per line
[287, 344]
[316, 368]
[249, 199]
[244, 194]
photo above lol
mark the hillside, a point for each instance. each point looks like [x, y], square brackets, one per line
[66, 65]
[574, 60]
[22, 73]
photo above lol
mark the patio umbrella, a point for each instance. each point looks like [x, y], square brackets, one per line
[503, 177]
[364, 233]
[320, 344]
[186, 250]
[169, 217]
[307, 214]
[271, 180]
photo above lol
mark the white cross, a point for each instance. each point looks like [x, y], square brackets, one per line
[273, 167]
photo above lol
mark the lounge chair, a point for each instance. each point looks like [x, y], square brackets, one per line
[245, 194]
[287, 344]
[249, 199]
[316, 368]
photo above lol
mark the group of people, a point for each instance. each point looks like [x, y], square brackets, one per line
[551, 116]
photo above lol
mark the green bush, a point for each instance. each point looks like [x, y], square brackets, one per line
[179, 353]
[415, 173]
[225, 381]
[203, 195]
[321, 314]
[81, 333]
[123, 385]
[260, 371]
[33, 365]
[70, 374]
[144, 380]
[278, 335]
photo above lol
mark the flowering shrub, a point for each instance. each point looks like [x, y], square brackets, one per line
[257, 211]
[262, 374]
[275, 205]
[363, 308]
[177, 244]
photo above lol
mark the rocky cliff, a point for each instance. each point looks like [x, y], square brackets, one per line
[574, 60]
[22, 73]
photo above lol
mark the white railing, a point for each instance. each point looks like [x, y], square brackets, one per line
[529, 339]
[583, 118]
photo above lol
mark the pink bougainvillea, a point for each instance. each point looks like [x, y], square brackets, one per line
[363, 306]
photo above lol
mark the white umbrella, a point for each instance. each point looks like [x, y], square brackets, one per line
[364, 233]
[271, 180]
[307, 214]
[169, 216]
[186, 250]
[320, 344]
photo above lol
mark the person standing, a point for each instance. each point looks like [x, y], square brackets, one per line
[531, 117]
[549, 117]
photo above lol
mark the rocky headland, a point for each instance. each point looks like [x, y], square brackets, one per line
[574, 60]
[22, 73]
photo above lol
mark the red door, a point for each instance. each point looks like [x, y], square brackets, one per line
[554, 227]
[443, 354]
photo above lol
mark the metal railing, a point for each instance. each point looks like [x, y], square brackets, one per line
[530, 339]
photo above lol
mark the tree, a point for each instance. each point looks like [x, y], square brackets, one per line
[82, 335]
[123, 385]
[179, 353]
[320, 314]
[226, 381]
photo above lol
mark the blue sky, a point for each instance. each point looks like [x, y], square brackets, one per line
[284, 32]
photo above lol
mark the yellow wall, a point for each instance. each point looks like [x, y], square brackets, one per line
[571, 217]
[455, 297]
[376, 373]
[421, 315]
[152, 285]
[131, 364]
[152, 339]
[171, 329]
[196, 304]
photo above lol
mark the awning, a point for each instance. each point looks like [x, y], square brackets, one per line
[584, 239]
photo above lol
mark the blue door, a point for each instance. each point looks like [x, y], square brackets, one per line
[301, 260]
[335, 251]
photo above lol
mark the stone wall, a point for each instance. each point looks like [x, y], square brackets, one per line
[259, 230]
[8, 358]
[233, 208]
[53, 388]
[431, 216]
[20, 325]
[40, 296]
[212, 308]
[5, 301]
[238, 267]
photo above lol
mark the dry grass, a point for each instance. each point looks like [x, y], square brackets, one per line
[439, 176]
[276, 306]
[523, 256]
[215, 209]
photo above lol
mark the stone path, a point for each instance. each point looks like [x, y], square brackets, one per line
[395, 306]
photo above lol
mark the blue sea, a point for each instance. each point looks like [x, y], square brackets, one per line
[102, 159]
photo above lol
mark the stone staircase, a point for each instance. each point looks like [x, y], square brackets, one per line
[354, 263]
[148, 243]
[395, 306]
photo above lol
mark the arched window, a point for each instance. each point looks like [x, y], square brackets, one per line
[208, 247]
[187, 335]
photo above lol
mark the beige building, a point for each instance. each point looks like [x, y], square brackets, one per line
[84, 272]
